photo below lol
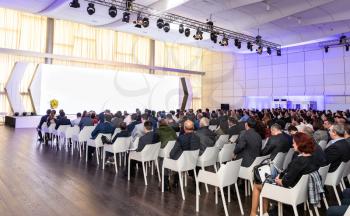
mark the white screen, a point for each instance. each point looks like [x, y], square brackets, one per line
[78, 89]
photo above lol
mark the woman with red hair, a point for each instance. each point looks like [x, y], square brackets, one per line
[300, 165]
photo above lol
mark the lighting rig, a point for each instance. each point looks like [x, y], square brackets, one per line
[342, 41]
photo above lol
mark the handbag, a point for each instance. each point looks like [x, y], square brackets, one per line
[262, 171]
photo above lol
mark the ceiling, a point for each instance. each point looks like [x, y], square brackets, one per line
[286, 22]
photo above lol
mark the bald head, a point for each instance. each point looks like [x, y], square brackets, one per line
[188, 126]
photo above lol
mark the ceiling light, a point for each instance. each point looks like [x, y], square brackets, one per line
[145, 22]
[342, 39]
[250, 46]
[259, 50]
[258, 39]
[279, 53]
[74, 4]
[181, 28]
[326, 48]
[269, 50]
[239, 45]
[112, 11]
[187, 32]
[214, 37]
[224, 41]
[138, 23]
[166, 27]
[347, 47]
[90, 8]
[210, 25]
[126, 17]
[128, 5]
[198, 35]
[160, 23]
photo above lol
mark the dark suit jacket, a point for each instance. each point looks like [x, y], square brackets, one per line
[43, 119]
[104, 127]
[276, 144]
[248, 146]
[207, 138]
[336, 153]
[148, 138]
[223, 123]
[85, 121]
[131, 126]
[236, 129]
[185, 142]
[62, 121]
[123, 133]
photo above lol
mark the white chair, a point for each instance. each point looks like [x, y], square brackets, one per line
[333, 179]
[44, 131]
[290, 196]
[208, 158]
[347, 213]
[84, 136]
[149, 153]
[233, 138]
[288, 158]
[226, 176]
[52, 132]
[120, 145]
[212, 127]
[187, 161]
[97, 143]
[323, 144]
[61, 133]
[264, 142]
[226, 153]
[323, 171]
[165, 152]
[345, 174]
[246, 173]
[279, 160]
[223, 139]
[72, 134]
[117, 130]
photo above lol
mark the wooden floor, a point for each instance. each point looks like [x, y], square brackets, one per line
[39, 180]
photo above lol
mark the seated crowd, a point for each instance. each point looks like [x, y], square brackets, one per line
[281, 129]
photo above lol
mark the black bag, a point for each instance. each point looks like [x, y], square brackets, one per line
[105, 140]
[262, 171]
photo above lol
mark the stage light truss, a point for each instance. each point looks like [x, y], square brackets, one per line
[145, 11]
[336, 42]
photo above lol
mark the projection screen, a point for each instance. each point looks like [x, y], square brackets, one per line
[78, 89]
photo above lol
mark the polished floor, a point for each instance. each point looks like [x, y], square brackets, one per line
[41, 180]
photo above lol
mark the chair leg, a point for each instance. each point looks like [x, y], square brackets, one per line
[129, 168]
[308, 207]
[152, 168]
[115, 163]
[336, 194]
[316, 210]
[228, 194]
[295, 210]
[239, 199]
[215, 168]
[206, 186]
[103, 159]
[197, 198]
[144, 172]
[72, 145]
[197, 183]
[185, 177]
[260, 204]
[79, 146]
[325, 201]
[162, 179]
[181, 185]
[157, 167]
[86, 156]
[216, 195]
[120, 160]
[223, 201]
[97, 153]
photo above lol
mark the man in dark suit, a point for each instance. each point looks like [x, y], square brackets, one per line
[278, 142]
[339, 150]
[133, 123]
[62, 120]
[234, 127]
[188, 141]
[249, 144]
[43, 119]
[149, 136]
[206, 136]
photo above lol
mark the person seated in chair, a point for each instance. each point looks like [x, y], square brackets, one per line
[300, 165]
[345, 204]
[43, 119]
[278, 142]
[207, 137]
[149, 137]
[166, 132]
[63, 120]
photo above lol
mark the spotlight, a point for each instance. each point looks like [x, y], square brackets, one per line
[128, 5]
[259, 50]
[268, 50]
[326, 49]
[214, 37]
[138, 23]
[160, 23]
[258, 39]
[250, 46]
[145, 22]
[91, 8]
[74, 4]
[210, 25]
[181, 28]
[198, 35]
[112, 11]
[236, 42]
[342, 39]
[347, 47]
[278, 52]
[166, 27]
[187, 32]
[126, 17]
[239, 44]
[224, 41]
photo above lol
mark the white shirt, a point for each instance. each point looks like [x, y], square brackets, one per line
[76, 121]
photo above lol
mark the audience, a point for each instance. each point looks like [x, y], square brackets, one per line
[148, 137]
[77, 120]
[86, 120]
[63, 120]
[166, 133]
[206, 136]
[43, 119]
[278, 142]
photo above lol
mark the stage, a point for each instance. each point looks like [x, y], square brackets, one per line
[26, 121]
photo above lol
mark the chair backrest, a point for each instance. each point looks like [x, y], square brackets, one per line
[187, 160]
[85, 133]
[150, 152]
[212, 127]
[346, 169]
[223, 139]
[44, 128]
[98, 140]
[209, 155]
[334, 178]
[69, 132]
[169, 146]
[234, 138]
[279, 160]
[258, 160]
[61, 130]
[226, 153]
[323, 173]
[347, 211]
[134, 144]
[52, 128]
[263, 142]
[228, 173]
[288, 158]
[300, 190]
[117, 130]
[121, 144]
[323, 144]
